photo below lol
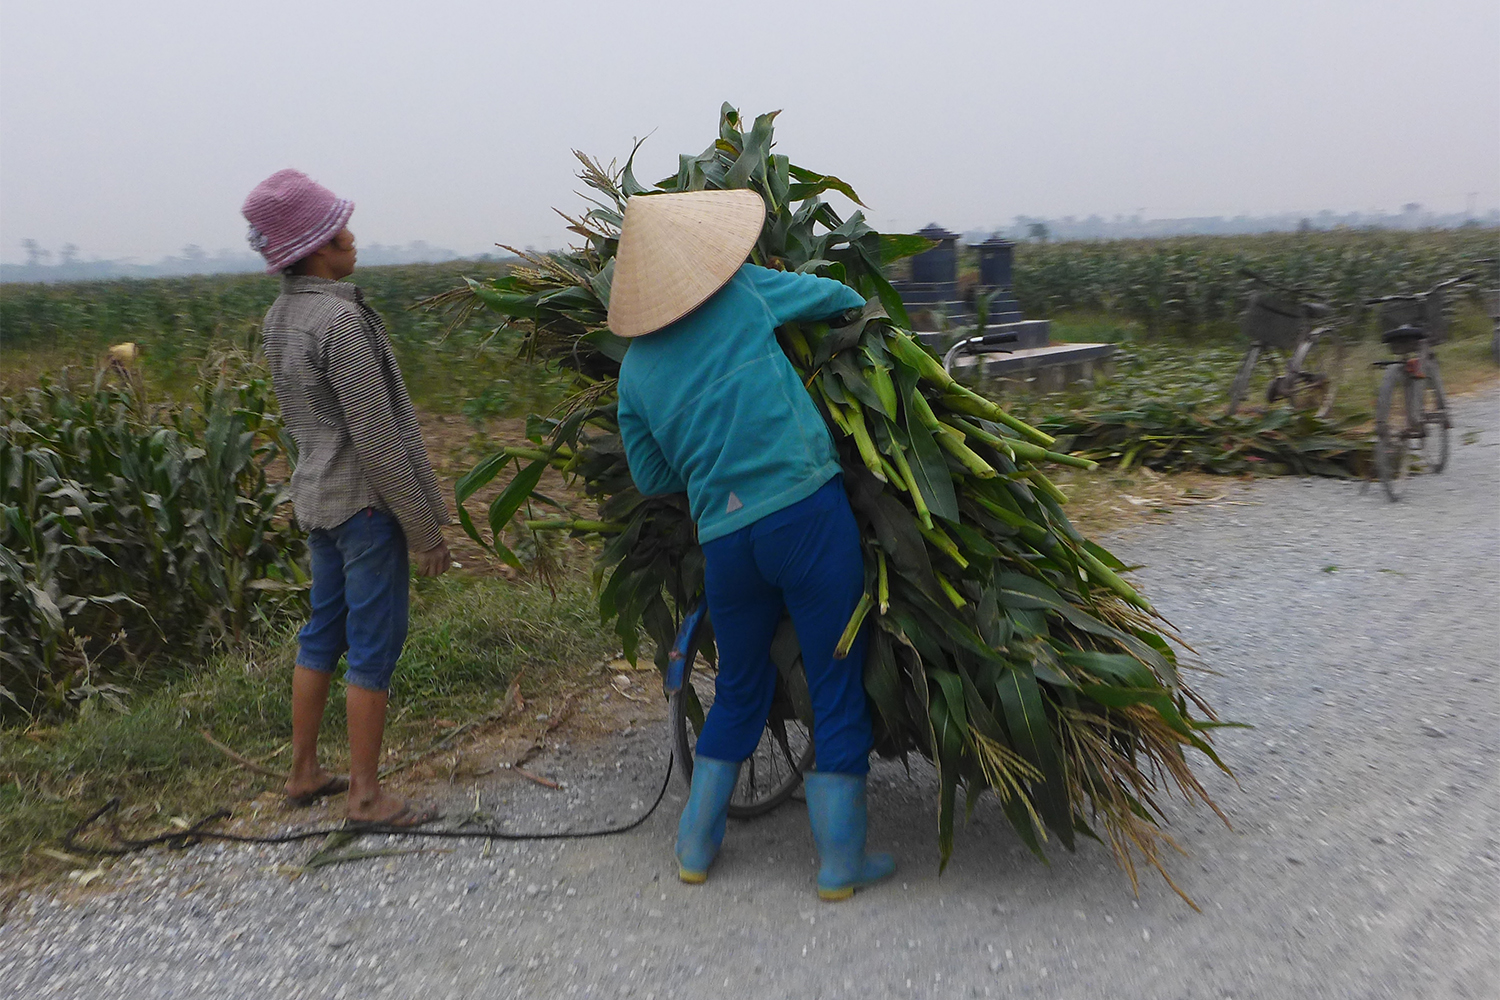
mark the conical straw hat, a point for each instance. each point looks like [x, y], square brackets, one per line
[675, 251]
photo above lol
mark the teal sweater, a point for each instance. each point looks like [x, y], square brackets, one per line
[710, 404]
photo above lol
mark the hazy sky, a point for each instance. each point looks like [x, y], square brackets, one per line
[132, 129]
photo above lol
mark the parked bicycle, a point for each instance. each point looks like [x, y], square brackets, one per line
[1301, 337]
[785, 752]
[1411, 412]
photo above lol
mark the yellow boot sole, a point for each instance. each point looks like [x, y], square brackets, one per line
[692, 878]
[836, 895]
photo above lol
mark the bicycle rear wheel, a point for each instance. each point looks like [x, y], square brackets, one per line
[1394, 429]
[1313, 378]
[1432, 409]
[773, 772]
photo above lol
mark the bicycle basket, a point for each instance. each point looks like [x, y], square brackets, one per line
[1271, 322]
[1425, 313]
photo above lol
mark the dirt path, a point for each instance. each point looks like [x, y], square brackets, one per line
[1359, 638]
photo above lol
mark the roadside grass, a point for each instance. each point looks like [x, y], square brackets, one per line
[471, 637]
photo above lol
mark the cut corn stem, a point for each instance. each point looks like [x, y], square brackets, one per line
[1003, 445]
[798, 343]
[1112, 581]
[949, 591]
[938, 537]
[893, 474]
[563, 524]
[966, 400]
[951, 442]
[851, 631]
[882, 582]
[1034, 533]
[1035, 453]
[1046, 485]
[885, 389]
[923, 410]
[904, 467]
[863, 441]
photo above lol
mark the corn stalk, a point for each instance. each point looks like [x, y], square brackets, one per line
[134, 537]
[1006, 648]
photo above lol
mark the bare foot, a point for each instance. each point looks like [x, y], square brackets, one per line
[387, 809]
[304, 789]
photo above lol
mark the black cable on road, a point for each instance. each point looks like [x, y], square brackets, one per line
[199, 832]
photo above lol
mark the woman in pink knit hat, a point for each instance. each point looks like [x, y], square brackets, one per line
[362, 488]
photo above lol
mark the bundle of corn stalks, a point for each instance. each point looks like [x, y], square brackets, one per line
[1170, 438]
[1006, 648]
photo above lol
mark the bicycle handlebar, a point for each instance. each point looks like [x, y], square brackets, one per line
[985, 343]
[1418, 296]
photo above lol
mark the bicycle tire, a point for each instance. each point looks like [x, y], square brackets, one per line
[754, 794]
[1392, 430]
[1241, 383]
[1435, 418]
[1314, 372]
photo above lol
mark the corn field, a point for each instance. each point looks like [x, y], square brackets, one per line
[133, 536]
[1194, 283]
[179, 323]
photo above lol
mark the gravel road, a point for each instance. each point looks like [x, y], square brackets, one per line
[1359, 637]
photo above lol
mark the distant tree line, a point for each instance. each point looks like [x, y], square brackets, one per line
[1038, 229]
[43, 265]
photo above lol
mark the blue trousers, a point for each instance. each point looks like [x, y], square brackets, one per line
[360, 594]
[804, 559]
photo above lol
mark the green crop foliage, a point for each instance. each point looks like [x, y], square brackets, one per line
[1195, 284]
[134, 536]
[179, 323]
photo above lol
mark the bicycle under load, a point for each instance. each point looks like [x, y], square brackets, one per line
[1411, 412]
[785, 752]
[1301, 337]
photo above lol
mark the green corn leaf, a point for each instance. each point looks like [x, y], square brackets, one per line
[895, 246]
[504, 506]
[1031, 735]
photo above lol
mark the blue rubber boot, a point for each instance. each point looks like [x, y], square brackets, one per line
[701, 829]
[836, 810]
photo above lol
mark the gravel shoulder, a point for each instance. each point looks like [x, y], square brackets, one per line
[1360, 639]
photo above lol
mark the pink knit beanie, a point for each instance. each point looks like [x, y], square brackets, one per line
[291, 215]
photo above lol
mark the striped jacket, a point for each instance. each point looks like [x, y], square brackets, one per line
[346, 406]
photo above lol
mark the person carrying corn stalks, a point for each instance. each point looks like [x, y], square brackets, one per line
[709, 405]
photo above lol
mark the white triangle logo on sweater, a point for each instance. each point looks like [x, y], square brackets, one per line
[733, 505]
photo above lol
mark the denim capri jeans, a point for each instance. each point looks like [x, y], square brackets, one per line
[359, 599]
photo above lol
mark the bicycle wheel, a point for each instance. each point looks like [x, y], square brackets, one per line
[1313, 377]
[1241, 383]
[1432, 449]
[773, 772]
[1393, 430]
